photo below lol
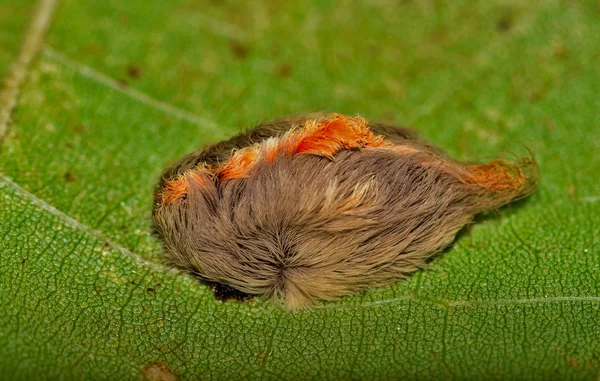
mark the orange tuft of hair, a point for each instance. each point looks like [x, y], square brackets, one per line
[179, 186]
[324, 138]
[327, 137]
[174, 189]
[497, 176]
[239, 164]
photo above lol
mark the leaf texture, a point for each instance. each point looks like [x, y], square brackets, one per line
[121, 89]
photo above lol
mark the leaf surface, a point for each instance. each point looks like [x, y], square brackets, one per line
[121, 89]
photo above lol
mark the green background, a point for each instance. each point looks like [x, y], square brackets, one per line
[123, 88]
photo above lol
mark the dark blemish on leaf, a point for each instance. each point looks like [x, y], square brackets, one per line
[159, 371]
[106, 244]
[69, 177]
[133, 283]
[504, 24]
[225, 292]
[561, 51]
[122, 83]
[535, 96]
[122, 227]
[238, 49]
[79, 129]
[24, 261]
[99, 291]
[152, 289]
[134, 71]
[284, 70]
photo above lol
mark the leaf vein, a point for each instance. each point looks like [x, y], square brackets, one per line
[34, 36]
[138, 95]
[6, 181]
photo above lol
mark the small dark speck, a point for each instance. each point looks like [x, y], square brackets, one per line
[69, 177]
[238, 49]
[79, 129]
[150, 289]
[284, 70]
[24, 261]
[122, 83]
[99, 291]
[134, 283]
[504, 24]
[134, 71]
[122, 227]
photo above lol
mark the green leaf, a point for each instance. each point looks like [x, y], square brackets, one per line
[13, 14]
[122, 88]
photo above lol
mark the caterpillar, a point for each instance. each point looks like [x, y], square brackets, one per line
[314, 208]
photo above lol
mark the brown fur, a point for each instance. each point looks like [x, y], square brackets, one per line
[304, 227]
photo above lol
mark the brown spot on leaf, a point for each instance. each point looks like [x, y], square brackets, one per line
[561, 51]
[122, 83]
[159, 371]
[69, 177]
[79, 129]
[134, 71]
[238, 49]
[284, 70]
[504, 24]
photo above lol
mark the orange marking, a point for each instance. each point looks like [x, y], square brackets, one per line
[496, 176]
[323, 138]
[174, 189]
[330, 136]
[179, 186]
[239, 164]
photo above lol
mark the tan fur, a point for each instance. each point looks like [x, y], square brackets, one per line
[303, 227]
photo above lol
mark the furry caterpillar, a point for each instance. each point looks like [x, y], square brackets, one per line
[319, 207]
